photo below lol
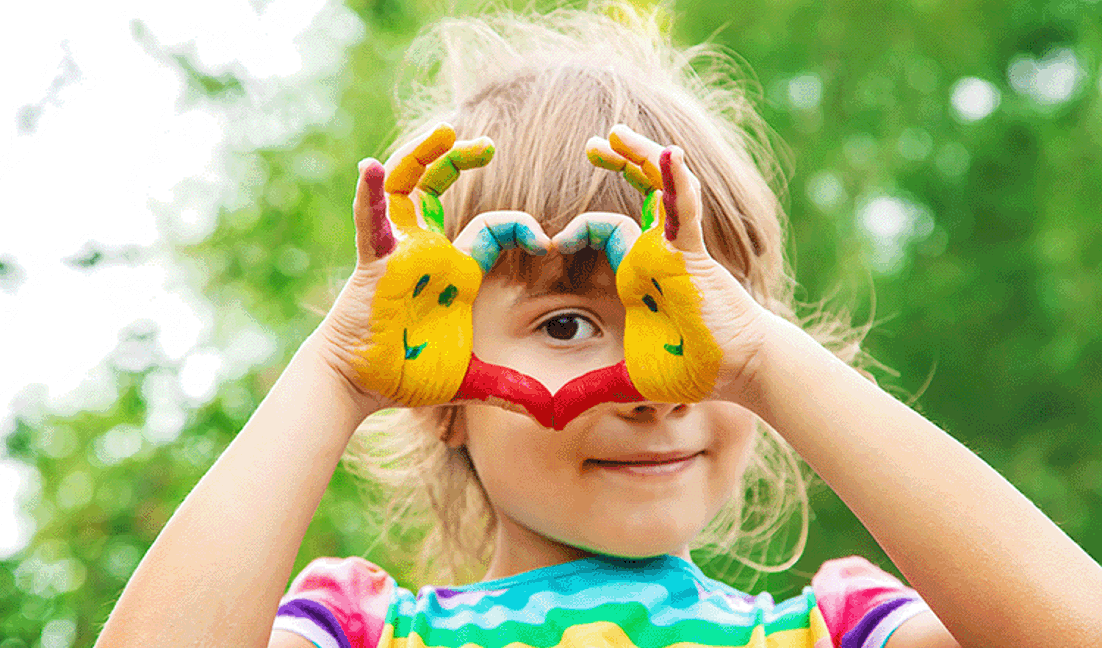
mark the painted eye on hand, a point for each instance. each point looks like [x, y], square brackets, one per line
[565, 326]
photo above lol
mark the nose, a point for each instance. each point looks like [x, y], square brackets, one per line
[648, 410]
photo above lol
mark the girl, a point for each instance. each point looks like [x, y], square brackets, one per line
[583, 408]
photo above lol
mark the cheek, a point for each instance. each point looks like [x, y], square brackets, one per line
[732, 446]
[512, 454]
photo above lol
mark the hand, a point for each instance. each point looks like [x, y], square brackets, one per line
[692, 331]
[400, 331]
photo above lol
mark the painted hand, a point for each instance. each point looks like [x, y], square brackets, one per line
[690, 328]
[400, 331]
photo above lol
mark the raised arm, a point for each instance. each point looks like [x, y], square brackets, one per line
[993, 568]
[395, 335]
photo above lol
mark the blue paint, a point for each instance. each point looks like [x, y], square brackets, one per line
[616, 248]
[599, 236]
[649, 301]
[493, 239]
[485, 250]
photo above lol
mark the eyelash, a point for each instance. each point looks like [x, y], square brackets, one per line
[568, 314]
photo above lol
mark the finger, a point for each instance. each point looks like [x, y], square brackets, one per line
[613, 233]
[467, 154]
[681, 202]
[489, 234]
[406, 166]
[374, 237]
[638, 150]
[600, 153]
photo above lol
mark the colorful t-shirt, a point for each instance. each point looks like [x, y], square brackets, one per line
[597, 602]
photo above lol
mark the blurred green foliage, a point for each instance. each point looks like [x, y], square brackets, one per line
[985, 280]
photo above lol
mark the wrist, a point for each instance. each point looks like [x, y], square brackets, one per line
[788, 362]
[318, 351]
[777, 342]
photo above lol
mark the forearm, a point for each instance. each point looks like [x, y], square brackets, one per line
[992, 566]
[217, 570]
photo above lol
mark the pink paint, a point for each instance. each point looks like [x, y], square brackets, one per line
[382, 238]
[669, 194]
[487, 382]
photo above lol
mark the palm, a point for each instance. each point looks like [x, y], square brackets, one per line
[403, 321]
[688, 327]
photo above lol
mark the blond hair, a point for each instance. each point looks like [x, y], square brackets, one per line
[540, 86]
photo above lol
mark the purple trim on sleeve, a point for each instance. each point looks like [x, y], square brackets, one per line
[318, 614]
[857, 635]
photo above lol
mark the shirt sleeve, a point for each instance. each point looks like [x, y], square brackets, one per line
[862, 604]
[337, 603]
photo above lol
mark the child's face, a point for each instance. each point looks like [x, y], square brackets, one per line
[556, 492]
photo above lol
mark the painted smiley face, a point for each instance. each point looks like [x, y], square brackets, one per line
[423, 306]
[669, 351]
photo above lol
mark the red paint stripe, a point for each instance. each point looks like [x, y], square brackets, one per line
[382, 238]
[486, 382]
[669, 195]
[604, 385]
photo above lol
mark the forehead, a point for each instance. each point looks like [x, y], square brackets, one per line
[586, 272]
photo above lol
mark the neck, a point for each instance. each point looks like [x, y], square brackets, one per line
[518, 549]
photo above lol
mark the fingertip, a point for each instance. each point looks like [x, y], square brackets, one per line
[483, 151]
[665, 160]
[621, 129]
[368, 164]
[570, 242]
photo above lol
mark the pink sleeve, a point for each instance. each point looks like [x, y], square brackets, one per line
[337, 603]
[861, 603]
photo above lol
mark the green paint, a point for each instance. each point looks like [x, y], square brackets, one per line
[650, 210]
[675, 350]
[448, 296]
[421, 283]
[412, 352]
[433, 213]
[649, 301]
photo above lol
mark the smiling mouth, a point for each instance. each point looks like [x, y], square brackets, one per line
[411, 351]
[647, 466]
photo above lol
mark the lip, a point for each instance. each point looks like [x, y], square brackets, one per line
[648, 463]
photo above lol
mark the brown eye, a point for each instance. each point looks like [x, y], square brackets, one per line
[565, 327]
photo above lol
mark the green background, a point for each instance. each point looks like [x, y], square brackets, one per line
[988, 317]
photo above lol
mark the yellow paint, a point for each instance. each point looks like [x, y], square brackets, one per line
[403, 179]
[604, 634]
[435, 375]
[652, 173]
[656, 373]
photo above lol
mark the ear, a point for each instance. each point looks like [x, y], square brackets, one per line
[451, 427]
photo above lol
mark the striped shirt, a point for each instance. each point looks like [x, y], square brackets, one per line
[596, 602]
